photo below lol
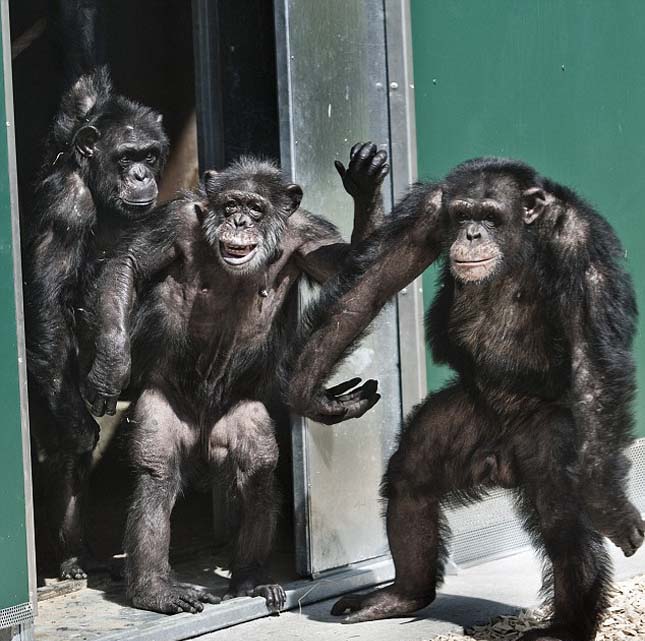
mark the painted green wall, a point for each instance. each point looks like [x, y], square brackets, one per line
[557, 83]
[14, 583]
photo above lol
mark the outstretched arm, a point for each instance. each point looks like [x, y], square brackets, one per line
[394, 256]
[148, 249]
[323, 251]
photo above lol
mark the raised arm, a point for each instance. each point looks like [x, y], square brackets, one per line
[323, 251]
[148, 249]
[376, 270]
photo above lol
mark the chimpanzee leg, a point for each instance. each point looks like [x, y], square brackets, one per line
[244, 441]
[552, 491]
[441, 449]
[159, 441]
[611, 511]
[63, 444]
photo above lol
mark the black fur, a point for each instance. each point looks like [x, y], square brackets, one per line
[209, 284]
[536, 315]
[79, 214]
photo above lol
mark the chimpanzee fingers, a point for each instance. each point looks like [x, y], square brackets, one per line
[355, 148]
[361, 160]
[379, 158]
[110, 406]
[358, 408]
[367, 389]
[340, 168]
[346, 604]
[343, 387]
[385, 170]
[98, 406]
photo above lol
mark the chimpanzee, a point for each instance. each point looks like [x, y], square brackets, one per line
[536, 315]
[101, 165]
[208, 335]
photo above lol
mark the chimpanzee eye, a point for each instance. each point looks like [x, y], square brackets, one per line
[230, 206]
[124, 160]
[462, 217]
[491, 220]
[151, 158]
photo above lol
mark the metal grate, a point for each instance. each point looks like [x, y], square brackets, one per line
[490, 529]
[16, 614]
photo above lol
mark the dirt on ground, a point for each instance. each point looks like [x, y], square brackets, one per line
[624, 621]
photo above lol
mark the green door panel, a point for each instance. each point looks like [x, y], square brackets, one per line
[557, 83]
[14, 581]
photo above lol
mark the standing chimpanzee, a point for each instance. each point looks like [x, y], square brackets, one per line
[536, 315]
[100, 171]
[208, 337]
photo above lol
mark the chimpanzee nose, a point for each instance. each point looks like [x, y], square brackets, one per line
[239, 220]
[472, 232]
[140, 173]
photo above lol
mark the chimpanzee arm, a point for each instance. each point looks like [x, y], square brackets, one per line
[147, 250]
[322, 251]
[363, 180]
[396, 254]
[54, 256]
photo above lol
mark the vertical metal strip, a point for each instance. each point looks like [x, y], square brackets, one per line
[299, 447]
[398, 42]
[208, 84]
[20, 325]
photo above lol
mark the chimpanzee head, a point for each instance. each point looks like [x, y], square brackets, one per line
[118, 146]
[249, 204]
[488, 206]
[123, 150]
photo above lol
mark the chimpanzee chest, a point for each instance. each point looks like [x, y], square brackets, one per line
[508, 339]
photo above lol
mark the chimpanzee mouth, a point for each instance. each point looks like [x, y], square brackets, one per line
[235, 254]
[139, 203]
[474, 263]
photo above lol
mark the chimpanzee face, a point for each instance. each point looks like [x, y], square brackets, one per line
[124, 163]
[487, 219]
[248, 216]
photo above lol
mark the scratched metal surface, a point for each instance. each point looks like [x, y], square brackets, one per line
[332, 75]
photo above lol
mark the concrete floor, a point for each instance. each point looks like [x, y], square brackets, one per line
[473, 595]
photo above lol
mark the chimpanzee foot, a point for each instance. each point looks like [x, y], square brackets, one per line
[72, 568]
[273, 593]
[171, 598]
[75, 567]
[631, 537]
[552, 633]
[382, 604]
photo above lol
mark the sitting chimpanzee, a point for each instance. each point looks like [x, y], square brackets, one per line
[536, 315]
[208, 335]
[100, 171]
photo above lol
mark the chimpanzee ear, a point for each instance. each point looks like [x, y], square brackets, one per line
[210, 177]
[295, 193]
[159, 119]
[85, 140]
[534, 201]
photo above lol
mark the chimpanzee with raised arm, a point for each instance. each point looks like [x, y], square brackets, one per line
[208, 285]
[536, 315]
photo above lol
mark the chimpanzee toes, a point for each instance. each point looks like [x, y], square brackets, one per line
[274, 594]
[173, 599]
[346, 604]
[71, 569]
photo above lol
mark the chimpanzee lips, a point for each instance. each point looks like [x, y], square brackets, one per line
[235, 254]
[474, 263]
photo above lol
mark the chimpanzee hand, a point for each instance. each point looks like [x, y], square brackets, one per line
[341, 402]
[366, 171]
[109, 375]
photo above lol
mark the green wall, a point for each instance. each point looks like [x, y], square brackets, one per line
[557, 83]
[14, 583]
